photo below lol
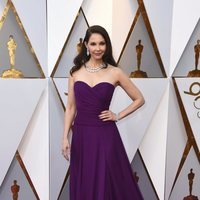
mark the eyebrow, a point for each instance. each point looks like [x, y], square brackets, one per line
[96, 42]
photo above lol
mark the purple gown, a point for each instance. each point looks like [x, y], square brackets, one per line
[99, 166]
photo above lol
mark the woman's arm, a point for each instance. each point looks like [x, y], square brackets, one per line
[132, 91]
[70, 107]
[69, 117]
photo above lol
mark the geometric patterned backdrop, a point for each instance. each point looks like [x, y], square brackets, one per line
[161, 139]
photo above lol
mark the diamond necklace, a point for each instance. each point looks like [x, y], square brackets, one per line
[94, 69]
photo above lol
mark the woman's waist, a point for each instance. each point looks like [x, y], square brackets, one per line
[90, 118]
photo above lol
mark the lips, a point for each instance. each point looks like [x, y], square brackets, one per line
[98, 54]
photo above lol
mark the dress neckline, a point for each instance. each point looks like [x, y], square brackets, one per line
[103, 82]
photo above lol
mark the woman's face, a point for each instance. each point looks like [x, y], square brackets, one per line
[96, 46]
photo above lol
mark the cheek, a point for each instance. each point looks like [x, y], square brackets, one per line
[91, 48]
[104, 48]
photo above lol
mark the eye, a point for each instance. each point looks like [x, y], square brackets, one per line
[93, 43]
[102, 43]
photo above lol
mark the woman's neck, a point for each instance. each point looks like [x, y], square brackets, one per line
[95, 63]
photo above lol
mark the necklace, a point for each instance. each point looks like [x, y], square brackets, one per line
[94, 69]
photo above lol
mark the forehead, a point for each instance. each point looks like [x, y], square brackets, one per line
[96, 37]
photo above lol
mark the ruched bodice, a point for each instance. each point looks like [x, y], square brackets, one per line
[91, 101]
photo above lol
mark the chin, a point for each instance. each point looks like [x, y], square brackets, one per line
[98, 57]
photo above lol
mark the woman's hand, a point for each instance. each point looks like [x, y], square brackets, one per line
[108, 115]
[66, 148]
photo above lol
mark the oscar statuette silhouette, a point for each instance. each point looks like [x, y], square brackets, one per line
[138, 73]
[196, 71]
[12, 72]
[191, 176]
[15, 189]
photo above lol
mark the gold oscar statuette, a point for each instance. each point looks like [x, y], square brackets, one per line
[79, 45]
[190, 179]
[138, 73]
[12, 72]
[15, 189]
[196, 71]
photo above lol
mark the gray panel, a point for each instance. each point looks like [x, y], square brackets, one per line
[70, 50]
[144, 182]
[149, 62]
[181, 188]
[15, 173]
[187, 60]
[65, 193]
[24, 59]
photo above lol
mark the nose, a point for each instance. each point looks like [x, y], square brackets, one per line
[98, 47]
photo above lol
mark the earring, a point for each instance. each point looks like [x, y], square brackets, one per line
[88, 52]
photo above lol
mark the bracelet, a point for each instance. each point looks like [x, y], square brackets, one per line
[117, 117]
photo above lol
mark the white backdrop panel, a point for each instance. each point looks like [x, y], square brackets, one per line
[153, 146]
[19, 99]
[34, 147]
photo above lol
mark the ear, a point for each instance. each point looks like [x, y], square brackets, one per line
[86, 44]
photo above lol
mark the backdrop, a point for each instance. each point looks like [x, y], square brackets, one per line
[161, 139]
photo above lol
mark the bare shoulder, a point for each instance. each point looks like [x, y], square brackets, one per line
[114, 69]
[117, 71]
[76, 74]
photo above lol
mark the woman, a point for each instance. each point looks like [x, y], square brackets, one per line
[99, 166]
